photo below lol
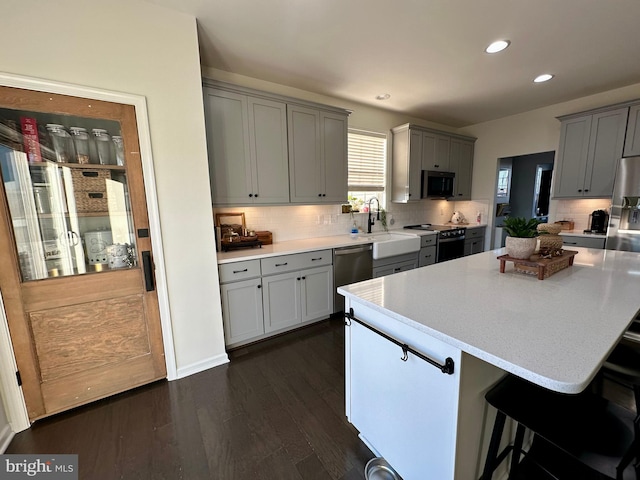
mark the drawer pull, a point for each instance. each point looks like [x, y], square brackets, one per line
[316, 259]
[240, 271]
[282, 264]
[571, 243]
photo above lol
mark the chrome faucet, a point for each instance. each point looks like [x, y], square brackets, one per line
[370, 221]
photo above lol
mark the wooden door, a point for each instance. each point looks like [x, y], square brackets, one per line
[76, 269]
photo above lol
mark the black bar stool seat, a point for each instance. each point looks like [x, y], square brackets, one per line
[585, 429]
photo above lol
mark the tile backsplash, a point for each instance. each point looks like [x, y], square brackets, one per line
[577, 210]
[291, 222]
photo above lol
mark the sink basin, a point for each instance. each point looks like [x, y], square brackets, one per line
[392, 244]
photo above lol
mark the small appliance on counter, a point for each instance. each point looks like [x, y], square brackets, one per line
[598, 222]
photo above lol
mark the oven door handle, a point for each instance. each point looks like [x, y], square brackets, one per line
[449, 240]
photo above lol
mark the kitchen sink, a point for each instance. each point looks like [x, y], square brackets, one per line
[392, 244]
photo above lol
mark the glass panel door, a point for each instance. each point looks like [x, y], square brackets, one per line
[66, 183]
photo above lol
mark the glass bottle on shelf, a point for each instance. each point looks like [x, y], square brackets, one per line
[81, 143]
[62, 143]
[103, 146]
[119, 149]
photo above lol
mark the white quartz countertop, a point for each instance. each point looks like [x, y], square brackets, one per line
[311, 244]
[581, 233]
[306, 245]
[554, 332]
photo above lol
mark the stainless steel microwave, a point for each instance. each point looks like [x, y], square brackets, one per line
[437, 184]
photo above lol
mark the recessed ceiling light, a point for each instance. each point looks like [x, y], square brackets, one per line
[543, 78]
[497, 46]
[383, 96]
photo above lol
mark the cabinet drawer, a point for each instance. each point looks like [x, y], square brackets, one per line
[297, 261]
[427, 256]
[231, 272]
[428, 240]
[475, 232]
[588, 242]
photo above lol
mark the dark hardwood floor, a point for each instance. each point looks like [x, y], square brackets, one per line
[275, 412]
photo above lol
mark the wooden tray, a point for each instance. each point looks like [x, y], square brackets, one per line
[537, 265]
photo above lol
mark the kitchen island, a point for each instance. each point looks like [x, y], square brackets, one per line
[554, 332]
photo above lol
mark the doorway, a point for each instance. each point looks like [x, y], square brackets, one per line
[523, 189]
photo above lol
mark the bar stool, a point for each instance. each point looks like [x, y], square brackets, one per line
[623, 367]
[579, 436]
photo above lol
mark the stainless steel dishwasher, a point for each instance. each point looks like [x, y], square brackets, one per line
[350, 265]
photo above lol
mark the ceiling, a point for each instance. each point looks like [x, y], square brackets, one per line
[427, 54]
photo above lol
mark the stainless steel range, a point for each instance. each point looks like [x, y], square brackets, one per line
[450, 239]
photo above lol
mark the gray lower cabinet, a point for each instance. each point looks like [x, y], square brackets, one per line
[587, 242]
[632, 140]
[474, 241]
[241, 294]
[294, 298]
[590, 146]
[275, 294]
[247, 144]
[400, 263]
[317, 155]
[428, 254]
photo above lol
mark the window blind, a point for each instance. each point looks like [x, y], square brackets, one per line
[367, 161]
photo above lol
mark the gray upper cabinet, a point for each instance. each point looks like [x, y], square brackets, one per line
[461, 162]
[435, 152]
[407, 165]
[269, 149]
[632, 142]
[417, 148]
[317, 155]
[247, 143]
[590, 146]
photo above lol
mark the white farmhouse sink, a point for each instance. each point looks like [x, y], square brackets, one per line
[392, 244]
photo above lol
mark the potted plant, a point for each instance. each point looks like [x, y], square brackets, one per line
[522, 233]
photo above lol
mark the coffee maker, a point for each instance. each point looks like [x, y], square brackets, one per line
[598, 222]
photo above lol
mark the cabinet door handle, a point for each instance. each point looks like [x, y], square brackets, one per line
[147, 266]
[282, 264]
[251, 195]
[397, 269]
[437, 166]
[586, 189]
[304, 278]
[319, 194]
[256, 195]
[324, 194]
[240, 271]
[298, 278]
[580, 190]
[259, 286]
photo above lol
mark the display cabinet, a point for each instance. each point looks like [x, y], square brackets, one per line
[78, 275]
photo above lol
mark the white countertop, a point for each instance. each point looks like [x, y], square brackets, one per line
[554, 332]
[311, 244]
[581, 233]
[306, 245]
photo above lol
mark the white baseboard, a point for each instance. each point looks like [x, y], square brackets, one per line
[6, 435]
[202, 365]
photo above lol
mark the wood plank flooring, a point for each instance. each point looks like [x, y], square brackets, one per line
[275, 412]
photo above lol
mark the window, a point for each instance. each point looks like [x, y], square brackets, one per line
[367, 167]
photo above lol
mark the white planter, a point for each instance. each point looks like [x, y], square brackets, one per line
[521, 248]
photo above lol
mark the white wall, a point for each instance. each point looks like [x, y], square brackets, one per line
[135, 47]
